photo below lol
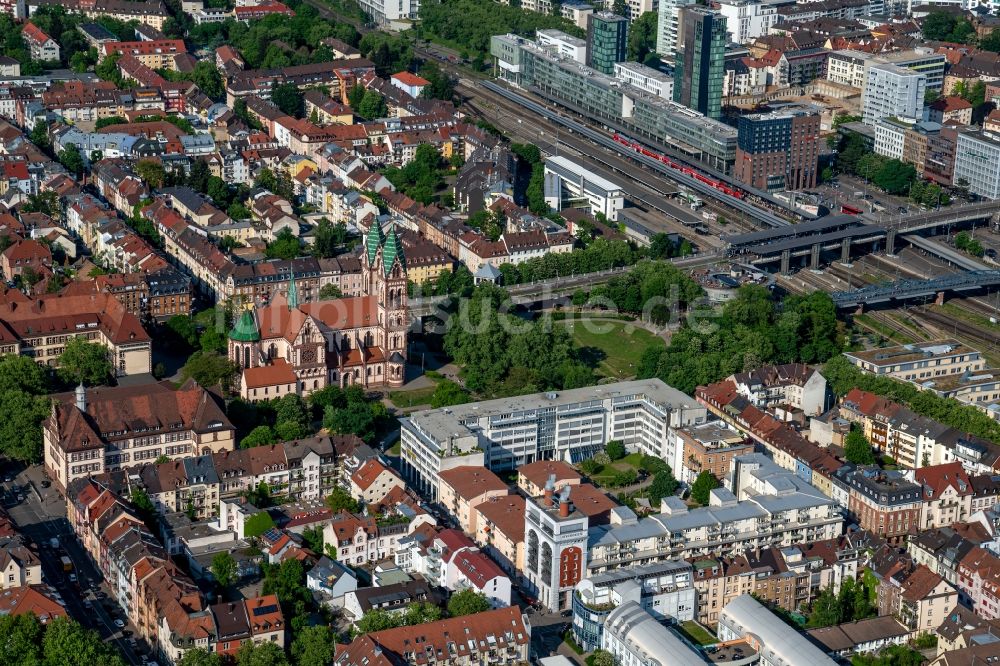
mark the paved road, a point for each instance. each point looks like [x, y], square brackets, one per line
[41, 516]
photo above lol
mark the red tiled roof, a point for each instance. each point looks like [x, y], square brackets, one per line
[410, 79]
[472, 481]
[278, 373]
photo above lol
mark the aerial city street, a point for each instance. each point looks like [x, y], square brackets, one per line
[499, 332]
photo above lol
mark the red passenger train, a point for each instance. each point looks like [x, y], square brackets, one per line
[723, 187]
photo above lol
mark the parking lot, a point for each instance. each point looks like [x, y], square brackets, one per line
[40, 512]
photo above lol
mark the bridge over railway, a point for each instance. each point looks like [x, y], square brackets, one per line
[904, 290]
[844, 232]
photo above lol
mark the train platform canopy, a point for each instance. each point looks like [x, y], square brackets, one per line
[823, 224]
[800, 242]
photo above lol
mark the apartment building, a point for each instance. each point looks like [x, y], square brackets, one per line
[575, 424]
[793, 385]
[91, 431]
[770, 507]
[919, 598]
[40, 328]
[664, 589]
[947, 495]
[497, 636]
[19, 565]
[155, 54]
[464, 488]
[918, 362]
[41, 46]
[709, 447]
[373, 481]
[500, 527]
[917, 441]
[885, 503]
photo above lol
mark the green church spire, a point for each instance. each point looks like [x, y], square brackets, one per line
[393, 250]
[293, 291]
[245, 329]
[374, 240]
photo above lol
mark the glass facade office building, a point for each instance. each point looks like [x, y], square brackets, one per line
[699, 66]
[607, 41]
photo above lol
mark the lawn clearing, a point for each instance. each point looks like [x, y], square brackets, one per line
[697, 634]
[414, 398]
[616, 350]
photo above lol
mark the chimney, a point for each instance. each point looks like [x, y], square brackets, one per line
[564, 502]
[550, 490]
[81, 398]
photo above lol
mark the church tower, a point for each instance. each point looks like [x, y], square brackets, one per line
[392, 306]
[244, 341]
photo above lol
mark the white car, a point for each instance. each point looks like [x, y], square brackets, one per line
[119, 623]
[72, 578]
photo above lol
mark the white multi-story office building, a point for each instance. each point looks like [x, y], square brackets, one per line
[977, 161]
[646, 78]
[768, 506]
[563, 44]
[890, 136]
[893, 91]
[568, 425]
[385, 12]
[667, 27]
[569, 185]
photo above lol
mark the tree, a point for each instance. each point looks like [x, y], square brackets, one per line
[857, 448]
[825, 610]
[354, 419]
[224, 569]
[257, 524]
[285, 246]
[71, 158]
[448, 393]
[340, 500]
[85, 362]
[67, 643]
[198, 177]
[642, 36]
[151, 171]
[22, 638]
[328, 238]
[664, 485]
[209, 369]
[330, 292]
[44, 202]
[615, 449]
[40, 135]
[313, 539]
[602, 658]
[288, 98]
[260, 654]
[200, 657]
[468, 602]
[377, 619]
[314, 646]
[262, 435]
[206, 76]
[703, 486]
[372, 106]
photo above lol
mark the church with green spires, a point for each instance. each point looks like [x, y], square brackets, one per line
[290, 346]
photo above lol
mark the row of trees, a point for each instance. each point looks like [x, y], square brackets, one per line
[59, 642]
[947, 27]
[842, 376]
[652, 288]
[966, 243]
[856, 600]
[469, 24]
[530, 156]
[749, 331]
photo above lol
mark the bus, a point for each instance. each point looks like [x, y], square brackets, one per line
[850, 210]
[67, 563]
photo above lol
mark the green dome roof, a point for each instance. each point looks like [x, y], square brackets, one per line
[374, 240]
[393, 249]
[245, 329]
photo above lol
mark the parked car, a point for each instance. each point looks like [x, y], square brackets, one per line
[119, 623]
